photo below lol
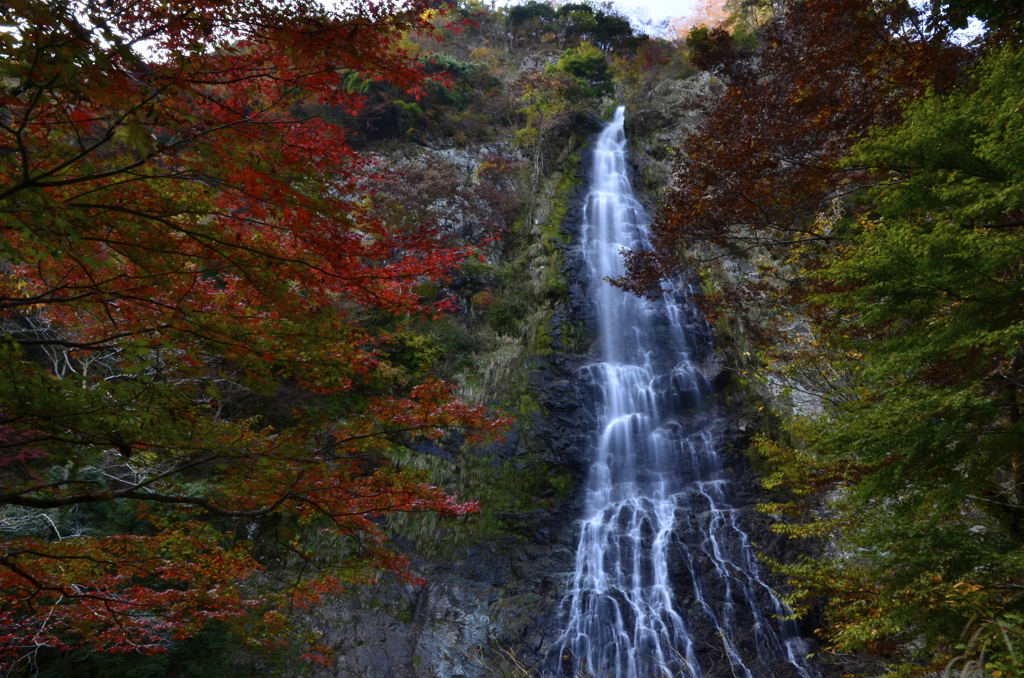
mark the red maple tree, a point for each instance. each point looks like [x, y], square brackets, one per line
[184, 232]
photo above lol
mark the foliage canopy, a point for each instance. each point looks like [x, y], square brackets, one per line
[196, 298]
[870, 170]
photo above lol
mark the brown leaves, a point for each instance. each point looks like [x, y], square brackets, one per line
[768, 157]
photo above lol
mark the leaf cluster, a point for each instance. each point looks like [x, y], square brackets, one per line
[193, 277]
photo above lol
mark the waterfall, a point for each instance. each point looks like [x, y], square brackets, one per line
[666, 581]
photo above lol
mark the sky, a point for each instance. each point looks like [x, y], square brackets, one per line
[656, 10]
[641, 11]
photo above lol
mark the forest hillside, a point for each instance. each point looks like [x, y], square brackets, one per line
[291, 323]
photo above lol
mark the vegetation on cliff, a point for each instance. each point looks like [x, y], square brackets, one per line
[199, 303]
[251, 252]
[854, 204]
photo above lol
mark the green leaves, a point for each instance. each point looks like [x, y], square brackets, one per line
[962, 153]
[921, 309]
[874, 177]
[589, 65]
[139, 137]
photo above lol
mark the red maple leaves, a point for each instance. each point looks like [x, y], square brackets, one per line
[183, 232]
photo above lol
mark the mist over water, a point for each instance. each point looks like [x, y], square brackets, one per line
[658, 523]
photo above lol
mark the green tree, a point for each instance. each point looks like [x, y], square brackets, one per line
[589, 65]
[920, 312]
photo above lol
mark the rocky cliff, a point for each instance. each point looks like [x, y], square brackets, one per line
[492, 607]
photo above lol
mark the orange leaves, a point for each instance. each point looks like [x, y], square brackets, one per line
[431, 412]
[127, 593]
[201, 196]
[706, 13]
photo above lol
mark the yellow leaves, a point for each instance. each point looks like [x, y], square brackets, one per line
[15, 287]
[485, 55]
[802, 531]
[966, 594]
[793, 469]
[16, 283]
[527, 137]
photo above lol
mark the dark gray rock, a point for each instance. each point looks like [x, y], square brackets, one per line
[492, 599]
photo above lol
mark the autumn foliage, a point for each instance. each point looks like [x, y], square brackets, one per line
[184, 235]
[861, 180]
[706, 13]
[767, 159]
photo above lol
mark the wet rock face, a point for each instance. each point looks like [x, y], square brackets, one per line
[505, 597]
[658, 124]
[495, 605]
[489, 599]
[693, 568]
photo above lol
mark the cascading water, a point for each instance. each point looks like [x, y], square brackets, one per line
[658, 523]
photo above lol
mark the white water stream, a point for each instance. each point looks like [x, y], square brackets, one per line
[666, 581]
